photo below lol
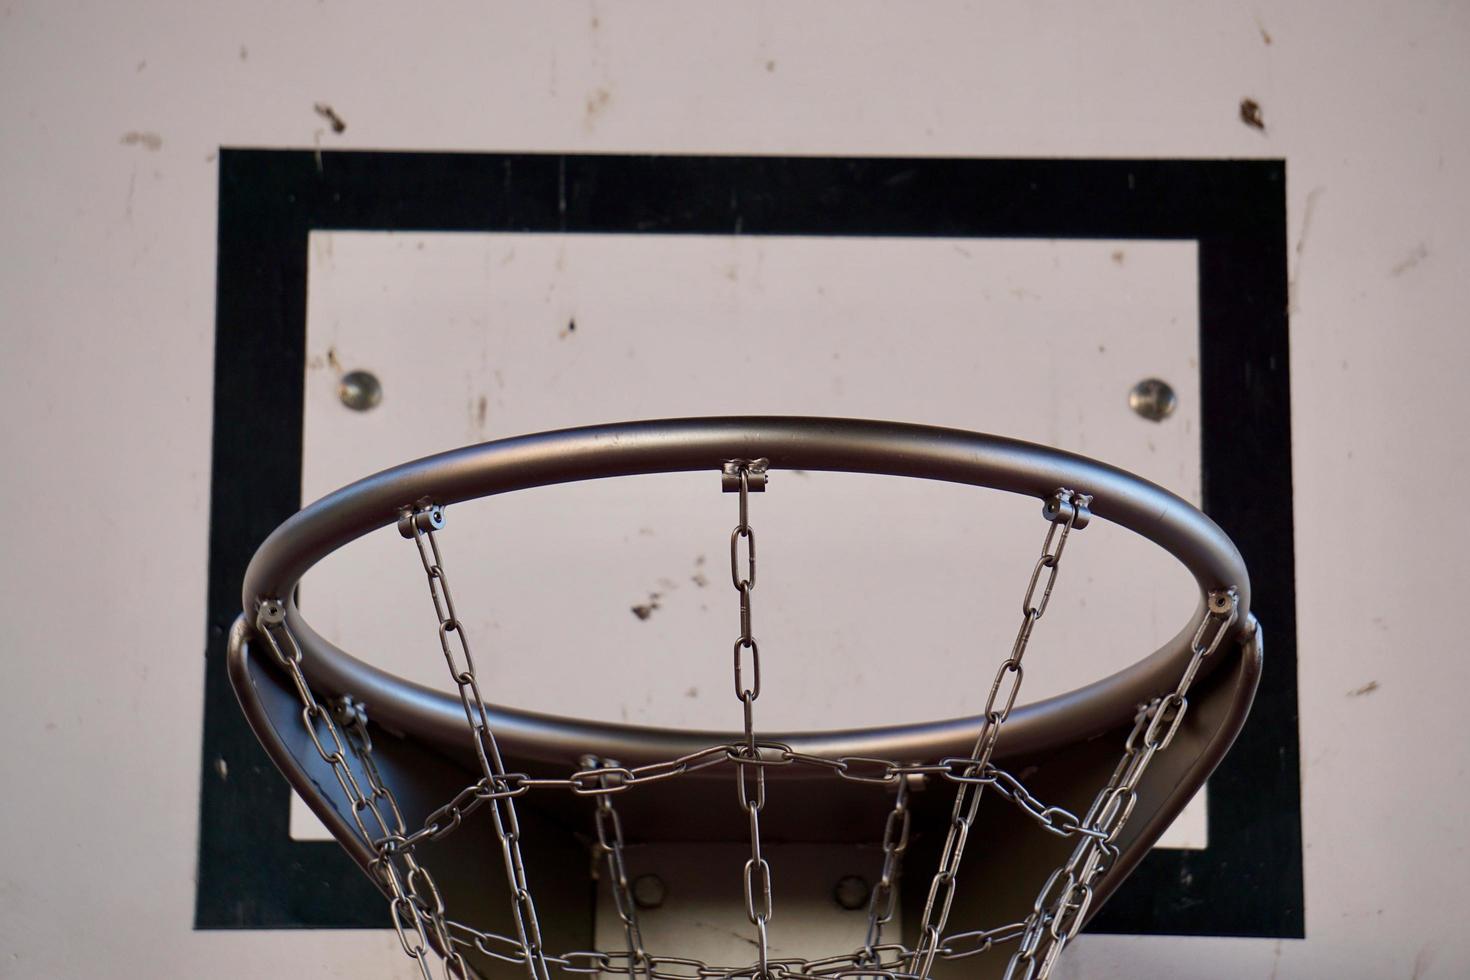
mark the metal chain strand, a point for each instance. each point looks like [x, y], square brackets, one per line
[270, 622]
[738, 475]
[1066, 509]
[420, 524]
[610, 844]
[621, 962]
[888, 961]
[1063, 902]
[423, 892]
[883, 901]
[962, 945]
[414, 890]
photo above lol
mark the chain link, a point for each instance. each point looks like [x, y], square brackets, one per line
[270, 623]
[883, 901]
[422, 891]
[610, 843]
[1066, 508]
[751, 789]
[1063, 902]
[420, 524]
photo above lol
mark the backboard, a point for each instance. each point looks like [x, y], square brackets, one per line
[581, 293]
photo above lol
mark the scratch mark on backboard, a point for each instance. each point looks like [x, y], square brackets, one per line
[1313, 196]
[596, 105]
[338, 124]
[1419, 254]
[149, 141]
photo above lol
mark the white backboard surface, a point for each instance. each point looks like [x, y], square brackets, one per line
[890, 586]
[608, 600]
[116, 117]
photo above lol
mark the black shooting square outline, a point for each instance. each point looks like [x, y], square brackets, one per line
[1247, 882]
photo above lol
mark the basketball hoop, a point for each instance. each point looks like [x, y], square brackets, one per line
[419, 786]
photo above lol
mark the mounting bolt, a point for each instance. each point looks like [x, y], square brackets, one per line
[1222, 602]
[272, 612]
[649, 891]
[347, 711]
[360, 390]
[851, 892]
[1153, 399]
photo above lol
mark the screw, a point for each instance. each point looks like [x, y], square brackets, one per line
[649, 891]
[851, 892]
[1153, 399]
[360, 390]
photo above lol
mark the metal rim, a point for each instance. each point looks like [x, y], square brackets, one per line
[839, 445]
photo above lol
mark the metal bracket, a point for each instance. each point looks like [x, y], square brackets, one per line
[1219, 603]
[756, 473]
[422, 517]
[1063, 502]
[347, 711]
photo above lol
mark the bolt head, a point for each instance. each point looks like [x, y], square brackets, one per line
[1153, 399]
[851, 892]
[649, 891]
[360, 390]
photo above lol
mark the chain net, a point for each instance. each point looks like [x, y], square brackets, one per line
[339, 732]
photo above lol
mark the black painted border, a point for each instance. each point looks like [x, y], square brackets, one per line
[1247, 883]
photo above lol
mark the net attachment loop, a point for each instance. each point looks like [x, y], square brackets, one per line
[1067, 507]
[755, 471]
[422, 517]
